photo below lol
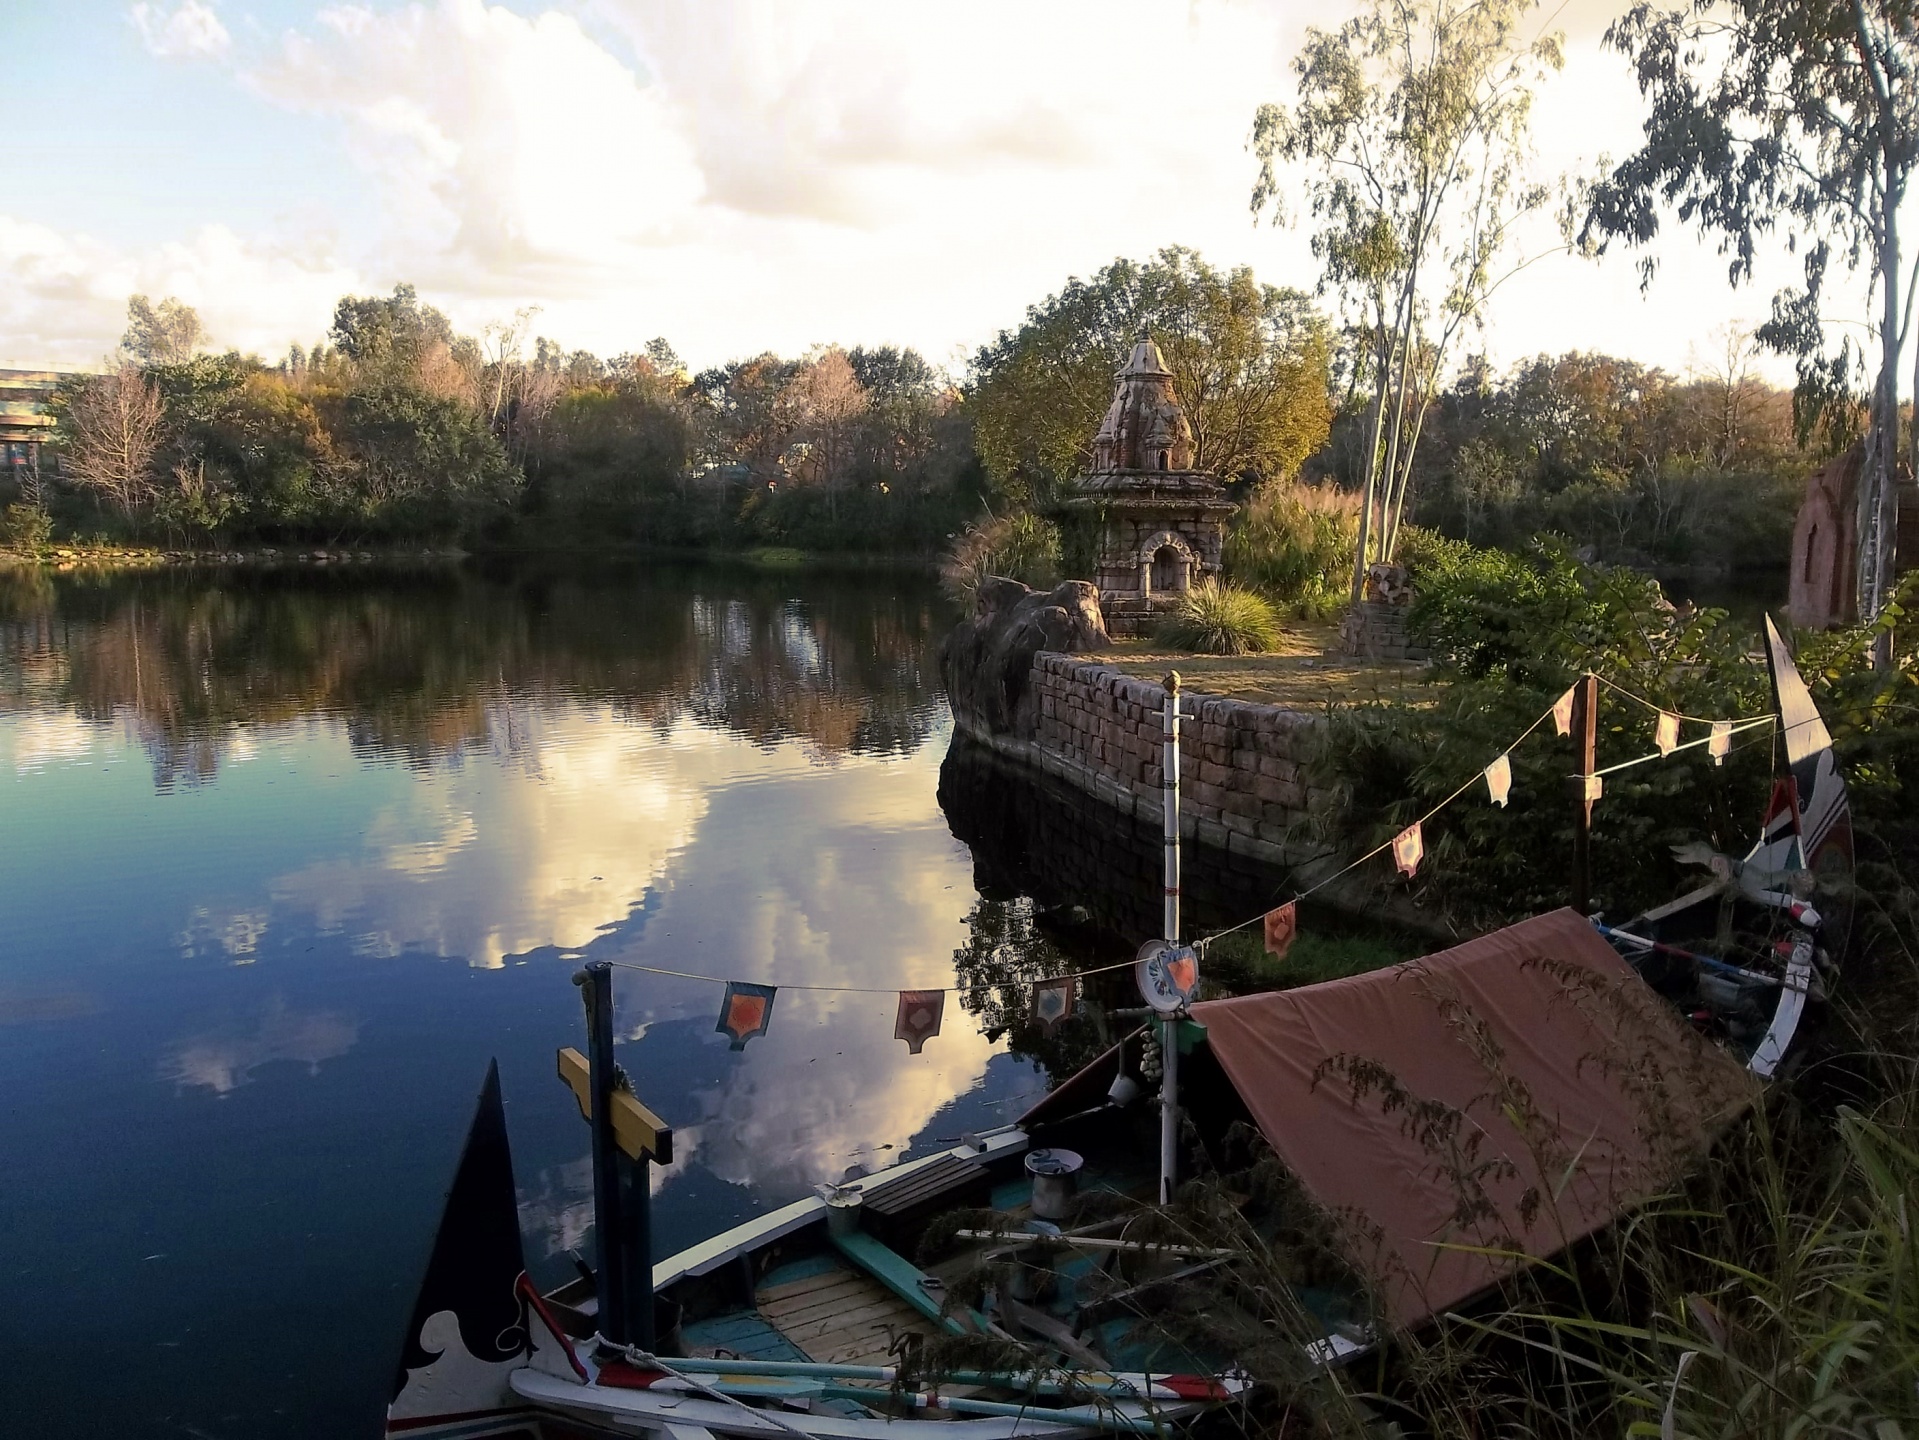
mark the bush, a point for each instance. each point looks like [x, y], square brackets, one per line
[26, 528]
[1294, 544]
[1021, 547]
[1216, 619]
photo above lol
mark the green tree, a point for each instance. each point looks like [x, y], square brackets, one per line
[163, 334]
[388, 336]
[1764, 117]
[1249, 363]
[1413, 120]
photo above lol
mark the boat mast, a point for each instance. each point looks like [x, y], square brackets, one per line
[1169, 1025]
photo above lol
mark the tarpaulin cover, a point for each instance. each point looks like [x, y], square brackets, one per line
[1513, 1093]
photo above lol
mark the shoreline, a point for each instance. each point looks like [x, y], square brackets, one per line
[66, 558]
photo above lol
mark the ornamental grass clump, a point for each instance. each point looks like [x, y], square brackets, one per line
[1215, 619]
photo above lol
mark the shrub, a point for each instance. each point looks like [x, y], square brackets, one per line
[1294, 543]
[26, 528]
[1216, 619]
[1021, 547]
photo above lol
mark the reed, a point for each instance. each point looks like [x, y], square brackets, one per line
[1215, 619]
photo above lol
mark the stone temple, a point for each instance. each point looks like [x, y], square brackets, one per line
[1160, 521]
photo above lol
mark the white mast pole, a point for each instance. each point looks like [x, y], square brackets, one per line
[1169, 1027]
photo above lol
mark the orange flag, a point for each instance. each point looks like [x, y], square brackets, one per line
[1409, 848]
[1282, 928]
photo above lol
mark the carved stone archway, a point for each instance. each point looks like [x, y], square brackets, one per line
[1168, 564]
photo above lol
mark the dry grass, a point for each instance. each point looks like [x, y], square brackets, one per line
[1305, 670]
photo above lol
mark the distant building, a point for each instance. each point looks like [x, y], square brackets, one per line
[1161, 522]
[1825, 543]
[25, 424]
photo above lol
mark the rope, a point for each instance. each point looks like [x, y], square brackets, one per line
[855, 989]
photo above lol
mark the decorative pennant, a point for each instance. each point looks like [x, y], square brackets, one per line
[1054, 1002]
[1499, 780]
[1721, 743]
[1282, 928]
[1593, 788]
[919, 1017]
[745, 1011]
[1563, 713]
[1409, 848]
[1667, 734]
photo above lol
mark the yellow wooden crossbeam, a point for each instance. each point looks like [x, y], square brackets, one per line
[636, 1130]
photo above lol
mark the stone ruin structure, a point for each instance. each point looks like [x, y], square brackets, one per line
[1823, 590]
[1161, 522]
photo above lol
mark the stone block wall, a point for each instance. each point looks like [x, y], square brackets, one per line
[1374, 630]
[1243, 782]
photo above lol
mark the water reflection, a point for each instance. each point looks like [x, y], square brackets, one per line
[290, 857]
[416, 662]
[223, 1061]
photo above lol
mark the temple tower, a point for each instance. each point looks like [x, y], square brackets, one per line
[1160, 521]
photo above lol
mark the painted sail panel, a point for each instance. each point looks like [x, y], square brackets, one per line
[1813, 806]
[468, 1331]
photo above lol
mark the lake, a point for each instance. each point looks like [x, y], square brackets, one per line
[289, 857]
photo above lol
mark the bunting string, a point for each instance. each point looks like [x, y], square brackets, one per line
[746, 1008]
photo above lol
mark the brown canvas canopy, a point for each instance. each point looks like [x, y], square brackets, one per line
[1512, 1094]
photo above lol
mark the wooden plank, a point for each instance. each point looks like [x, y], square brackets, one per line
[803, 1308]
[798, 1290]
[638, 1132]
[893, 1271]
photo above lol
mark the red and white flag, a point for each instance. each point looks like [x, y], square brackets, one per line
[919, 1017]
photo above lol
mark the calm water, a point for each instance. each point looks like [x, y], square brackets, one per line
[286, 860]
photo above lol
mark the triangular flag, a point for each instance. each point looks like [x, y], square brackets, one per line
[1282, 928]
[1668, 732]
[1053, 1002]
[1563, 713]
[1721, 741]
[1409, 848]
[745, 1011]
[919, 1017]
[1499, 780]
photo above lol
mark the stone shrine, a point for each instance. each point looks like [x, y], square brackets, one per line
[1161, 522]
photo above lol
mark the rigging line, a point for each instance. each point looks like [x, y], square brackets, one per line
[1663, 710]
[855, 989]
[1738, 728]
[1386, 845]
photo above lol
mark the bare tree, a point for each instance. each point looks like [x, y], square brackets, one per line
[113, 426]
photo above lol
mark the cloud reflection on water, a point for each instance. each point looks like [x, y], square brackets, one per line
[224, 1061]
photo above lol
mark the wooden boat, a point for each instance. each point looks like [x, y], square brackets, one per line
[801, 1322]
[1747, 954]
[817, 1320]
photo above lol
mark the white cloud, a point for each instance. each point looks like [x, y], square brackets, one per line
[188, 31]
[751, 174]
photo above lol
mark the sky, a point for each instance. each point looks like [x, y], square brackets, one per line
[733, 175]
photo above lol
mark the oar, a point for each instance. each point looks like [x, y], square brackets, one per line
[1066, 1382]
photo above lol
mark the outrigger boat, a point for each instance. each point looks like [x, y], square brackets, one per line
[816, 1321]
[1747, 954]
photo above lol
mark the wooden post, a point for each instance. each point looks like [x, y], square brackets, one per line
[1585, 741]
[637, 1251]
[1169, 1027]
[596, 982]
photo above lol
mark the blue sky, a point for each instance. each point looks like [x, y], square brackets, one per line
[736, 175]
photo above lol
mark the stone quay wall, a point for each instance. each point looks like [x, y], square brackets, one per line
[1243, 786]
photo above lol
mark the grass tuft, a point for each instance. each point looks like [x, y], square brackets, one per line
[1215, 619]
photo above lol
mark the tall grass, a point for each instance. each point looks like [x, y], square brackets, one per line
[1294, 544]
[1022, 546]
[1215, 619]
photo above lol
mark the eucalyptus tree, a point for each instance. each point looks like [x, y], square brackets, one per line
[1797, 119]
[1412, 125]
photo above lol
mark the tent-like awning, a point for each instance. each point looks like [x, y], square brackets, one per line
[1460, 1112]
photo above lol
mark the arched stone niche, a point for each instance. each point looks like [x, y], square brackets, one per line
[1168, 565]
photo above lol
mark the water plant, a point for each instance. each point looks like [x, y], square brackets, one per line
[1021, 546]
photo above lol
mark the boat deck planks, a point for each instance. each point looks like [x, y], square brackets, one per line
[839, 1317]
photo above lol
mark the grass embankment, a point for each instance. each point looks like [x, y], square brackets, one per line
[1305, 670]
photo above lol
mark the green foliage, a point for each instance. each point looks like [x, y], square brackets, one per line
[1215, 619]
[1249, 363]
[26, 528]
[1238, 962]
[1021, 547]
[1294, 544]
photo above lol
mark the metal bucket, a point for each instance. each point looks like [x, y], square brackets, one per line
[843, 1209]
[1055, 1175]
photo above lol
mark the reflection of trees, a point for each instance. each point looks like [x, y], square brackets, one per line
[1004, 953]
[423, 665]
